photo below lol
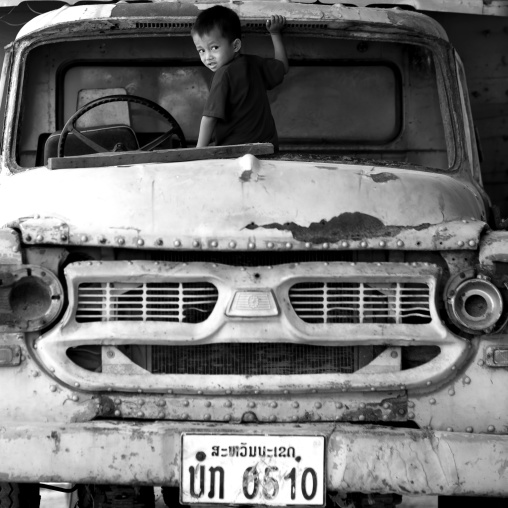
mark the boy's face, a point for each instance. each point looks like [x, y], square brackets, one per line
[214, 49]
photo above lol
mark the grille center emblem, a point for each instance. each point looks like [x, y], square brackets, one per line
[253, 304]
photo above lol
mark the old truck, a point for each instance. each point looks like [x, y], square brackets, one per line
[326, 325]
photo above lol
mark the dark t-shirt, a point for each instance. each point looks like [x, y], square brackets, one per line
[239, 101]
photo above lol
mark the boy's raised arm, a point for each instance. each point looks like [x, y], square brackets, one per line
[275, 25]
[206, 130]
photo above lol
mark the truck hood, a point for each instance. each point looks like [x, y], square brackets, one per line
[243, 203]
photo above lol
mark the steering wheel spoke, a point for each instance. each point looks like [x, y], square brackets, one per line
[87, 141]
[70, 126]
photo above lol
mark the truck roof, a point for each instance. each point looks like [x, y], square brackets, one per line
[81, 19]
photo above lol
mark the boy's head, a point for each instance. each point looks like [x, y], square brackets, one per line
[217, 35]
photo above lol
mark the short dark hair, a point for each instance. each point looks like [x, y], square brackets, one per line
[223, 18]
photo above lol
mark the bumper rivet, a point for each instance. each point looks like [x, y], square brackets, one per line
[339, 405]
[386, 405]
[251, 245]
[273, 404]
[140, 242]
[251, 404]
[232, 245]
[227, 418]
[308, 245]
[162, 414]
[120, 240]
[385, 417]
[208, 403]
[185, 403]
[101, 239]
[39, 238]
[295, 404]
[84, 238]
[382, 243]
[363, 244]
[161, 403]
[460, 243]
[318, 405]
[214, 243]
[286, 392]
[326, 245]
[177, 243]
[200, 392]
[429, 383]
[469, 429]
[75, 398]
[185, 416]
[410, 404]
[52, 388]
[471, 243]
[491, 428]
[400, 243]
[170, 391]
[401, 411]
[361, 418]
[110, 389]
[228, 403]
[118, 401]
[467, 380]
[273, 418]
[117, 413]
[159, 242]
[451, 392]
[207, 417]
[410, 415]
[289, 245]
[76, 385]
[228, 392]
[195, 243]
[344, 245]
[362, 405]
[432, 401]
[449, 429]
[481, 363]
[294, 418]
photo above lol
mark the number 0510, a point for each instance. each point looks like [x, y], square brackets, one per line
[269, 485]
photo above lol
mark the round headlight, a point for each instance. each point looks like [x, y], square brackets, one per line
[35, 298]
[475, 305]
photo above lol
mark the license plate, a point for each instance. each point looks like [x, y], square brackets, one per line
[239, 469]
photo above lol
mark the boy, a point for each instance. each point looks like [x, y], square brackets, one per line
[237, 109]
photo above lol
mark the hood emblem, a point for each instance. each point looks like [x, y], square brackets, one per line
[253, 304]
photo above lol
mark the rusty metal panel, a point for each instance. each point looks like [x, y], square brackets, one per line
[420, 462]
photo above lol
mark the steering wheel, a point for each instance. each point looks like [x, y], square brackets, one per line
[70, 126]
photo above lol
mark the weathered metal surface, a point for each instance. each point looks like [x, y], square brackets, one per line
[493, 249]
[420, 462]
[402, 21]
[261, 408]
[288, 205]
[52, 347]
[10, 249]
[475, 401]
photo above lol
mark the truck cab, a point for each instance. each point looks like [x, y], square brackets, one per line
[321, 325]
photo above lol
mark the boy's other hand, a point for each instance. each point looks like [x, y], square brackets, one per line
[275, 24]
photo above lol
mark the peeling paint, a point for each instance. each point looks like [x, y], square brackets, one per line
[383, 177]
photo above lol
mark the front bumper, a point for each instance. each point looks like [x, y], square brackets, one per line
[364, 458]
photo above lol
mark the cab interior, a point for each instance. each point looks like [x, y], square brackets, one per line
[342, 97]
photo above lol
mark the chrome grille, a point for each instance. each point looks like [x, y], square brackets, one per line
[184, 302]
[360, 302]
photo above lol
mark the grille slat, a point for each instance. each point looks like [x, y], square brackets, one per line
[361, 302]
[184, 302]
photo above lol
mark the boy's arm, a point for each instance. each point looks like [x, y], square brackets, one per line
[206, 130]
[275, 25]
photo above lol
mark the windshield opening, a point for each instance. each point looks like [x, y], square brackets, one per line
[364, 100]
